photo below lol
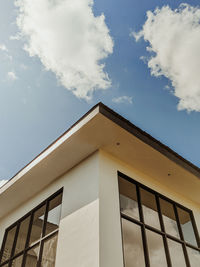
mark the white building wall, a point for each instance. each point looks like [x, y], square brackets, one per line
[90, 228]
[110, 229]
[78, 239]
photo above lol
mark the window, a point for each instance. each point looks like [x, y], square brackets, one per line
[156, 231]
[32, 240]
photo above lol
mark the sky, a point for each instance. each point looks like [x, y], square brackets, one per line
[61, 57]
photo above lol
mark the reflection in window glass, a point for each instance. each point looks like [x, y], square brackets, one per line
[22, 235]
[194, 257]
[128, 198]
[169, 218]
[49, 252]
[53, 218]
[149, 209]
[156, 249]
[9, 244]
[17, 262]
[176, 254]
[31, 257]
[159, 242]
[36, 229]
[187, 227]
[34, 236]
[133, 247]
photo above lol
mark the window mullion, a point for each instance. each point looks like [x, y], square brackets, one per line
[163, 230]
[3, 245]
[144, 238]
[29, 229]
[28, 238]
[14, 245]
[140, 204]
[160, 214]
[42, 234]
[39, 259]
[45, 218]
[195, 229]
[181, 236]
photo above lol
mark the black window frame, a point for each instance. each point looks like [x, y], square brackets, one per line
[39, 241]
[162, 231]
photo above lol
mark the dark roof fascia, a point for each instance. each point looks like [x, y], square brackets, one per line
[148, 139]
[131, 128]
[51, 144]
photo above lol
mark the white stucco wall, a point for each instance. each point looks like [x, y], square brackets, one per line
[78, 239]
[90, 228]
[110, 228]
[78, 243]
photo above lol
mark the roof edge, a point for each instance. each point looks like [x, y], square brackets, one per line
[148, 139]
[131, 128]
[54, 142]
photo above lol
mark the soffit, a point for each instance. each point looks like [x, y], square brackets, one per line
[96, 131]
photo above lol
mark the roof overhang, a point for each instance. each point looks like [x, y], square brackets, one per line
[102, 128]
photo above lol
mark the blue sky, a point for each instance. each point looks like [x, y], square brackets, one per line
[76, 57]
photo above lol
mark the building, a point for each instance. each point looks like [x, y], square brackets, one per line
[104, 194]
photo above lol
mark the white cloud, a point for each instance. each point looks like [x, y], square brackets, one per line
[123, 99]
[9, 57]
[3, 47]
[69, 40]
[2, 182]
[12, 76]
[15, 37]
[174, 39]
[23, 66]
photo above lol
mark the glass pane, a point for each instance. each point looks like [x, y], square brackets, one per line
[54, 213]
[156, 249]
[186, 226]
[149, 209]
[132, 244]
[176, 253]
[36, 229]
[194, 257]
[17, 262]
[169, 218]
[128, 198]
[21, 239]
[31, 257]
[9, 244]
[49, 252]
